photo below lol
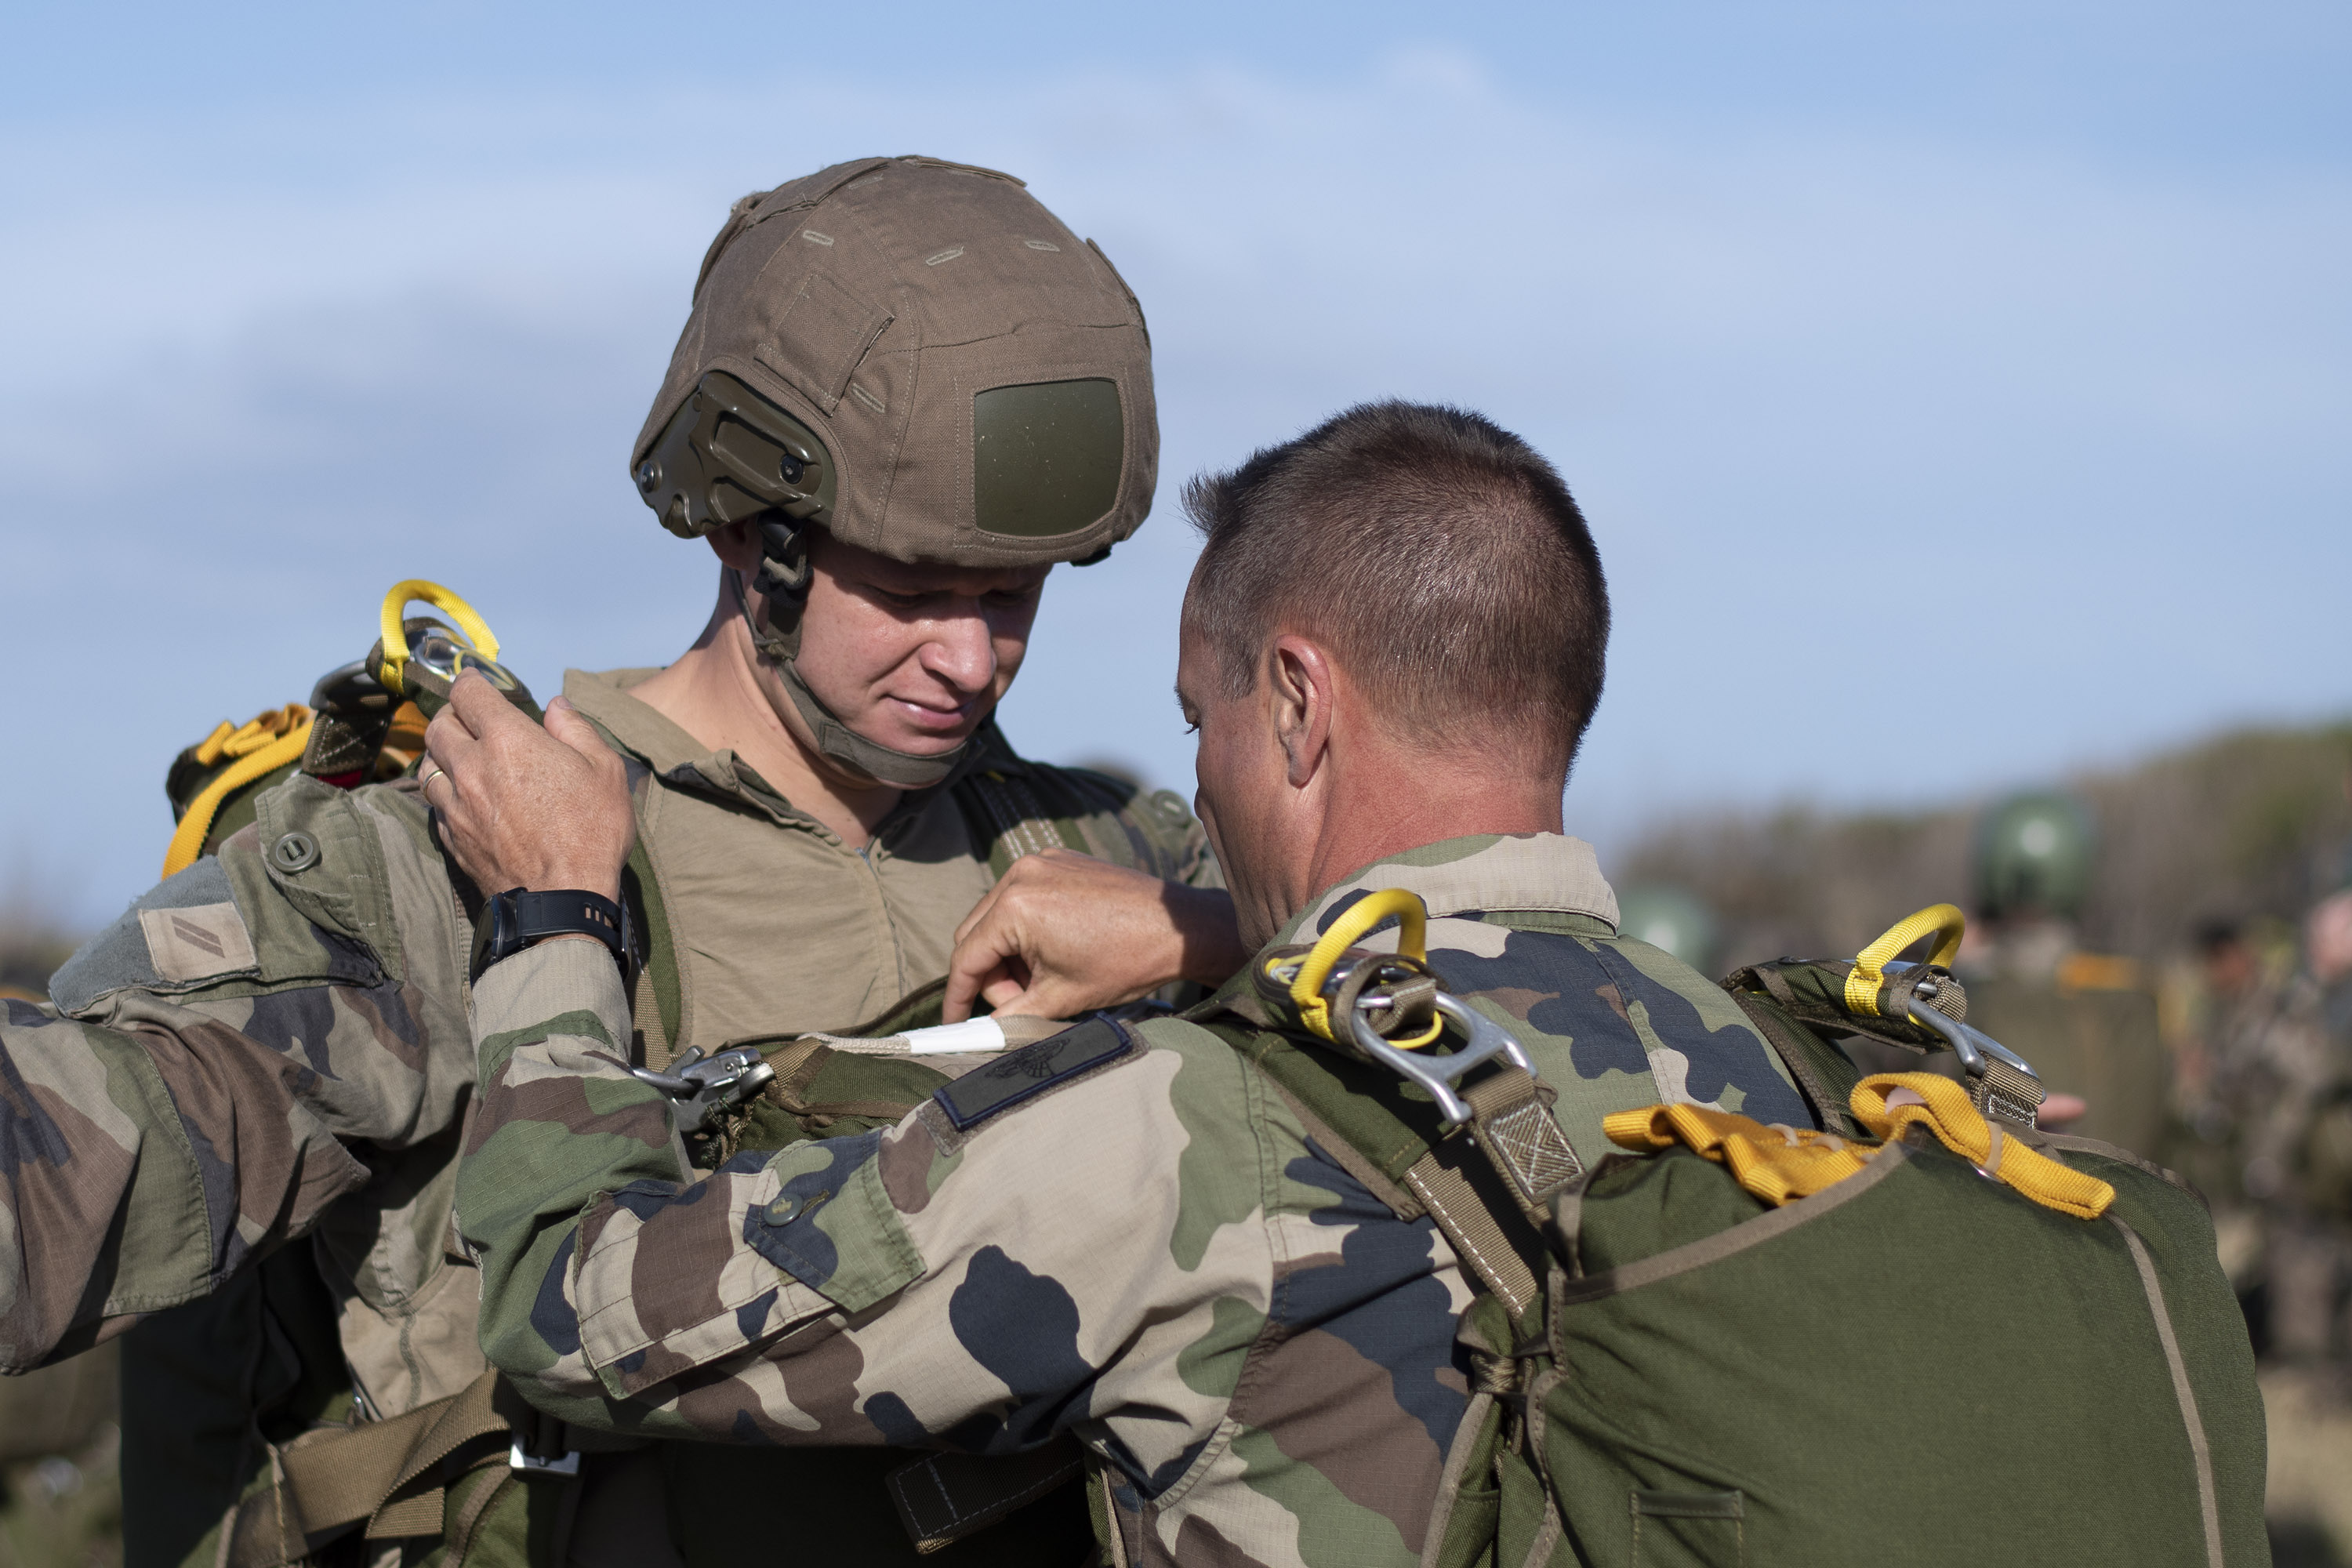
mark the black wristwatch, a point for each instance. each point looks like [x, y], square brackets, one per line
[515, 918]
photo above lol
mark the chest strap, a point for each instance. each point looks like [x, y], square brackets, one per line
[394, 1476]
[942, 1498]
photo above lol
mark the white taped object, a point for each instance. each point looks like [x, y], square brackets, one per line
[975, 1037]
[971, 1035]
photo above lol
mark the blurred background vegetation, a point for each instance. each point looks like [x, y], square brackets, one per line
[2250, 826]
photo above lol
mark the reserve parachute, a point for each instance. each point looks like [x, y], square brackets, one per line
[1923, 1332]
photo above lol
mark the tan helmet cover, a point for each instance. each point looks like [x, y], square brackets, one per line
[879, 303]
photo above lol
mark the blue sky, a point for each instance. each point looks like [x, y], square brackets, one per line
[1980, 367]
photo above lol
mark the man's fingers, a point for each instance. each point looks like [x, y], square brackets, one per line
[447, 739]
[479, 704]
[1019, 882]
[981, 959]
[2060, 1109]
[979, 912]
[968, 970]
[955, 1004]
[1012, 996]
[566, 724]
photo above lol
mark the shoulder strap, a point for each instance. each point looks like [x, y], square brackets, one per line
[1024, 807]
[1362, 1117]
[658, 1000]
[1006, 813]
[1824, 1074]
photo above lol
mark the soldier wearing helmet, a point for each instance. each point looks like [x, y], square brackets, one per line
[2087, 1021]
[905, 393]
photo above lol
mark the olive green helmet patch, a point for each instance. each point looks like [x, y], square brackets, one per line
[1046, 457]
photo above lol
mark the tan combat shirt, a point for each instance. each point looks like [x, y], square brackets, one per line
[780, 927]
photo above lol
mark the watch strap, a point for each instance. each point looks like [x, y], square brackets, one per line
[514, 919]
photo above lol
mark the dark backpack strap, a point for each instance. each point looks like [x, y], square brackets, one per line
[1020, 808]
[658, 1002]
[1824, 1074]
[1008, 819]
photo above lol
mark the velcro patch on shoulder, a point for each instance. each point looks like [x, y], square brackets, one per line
[186, 931]
[1024, 1074]
[198, 944]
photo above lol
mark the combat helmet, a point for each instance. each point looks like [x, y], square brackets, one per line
[2035, 854]
[917, 357]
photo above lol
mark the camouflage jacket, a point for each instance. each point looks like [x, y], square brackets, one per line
[1122, 1233]
[277, 1042]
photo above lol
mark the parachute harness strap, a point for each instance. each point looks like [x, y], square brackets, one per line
[1888, 1103]
[1507, 1107]
[1412, 939]
[418, 590]
[1942, 920]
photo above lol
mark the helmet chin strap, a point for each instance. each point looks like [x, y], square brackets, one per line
[834, 739]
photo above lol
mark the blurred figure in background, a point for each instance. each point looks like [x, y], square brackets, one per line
[2267, 1127]
[1671, 917]
[2086, 1021]
[2250, 1065]
[2265, 1102]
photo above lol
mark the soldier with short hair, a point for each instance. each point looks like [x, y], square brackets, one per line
[1393, 642]
[906, 391]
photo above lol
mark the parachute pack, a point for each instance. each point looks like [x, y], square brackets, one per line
[1925, 1332]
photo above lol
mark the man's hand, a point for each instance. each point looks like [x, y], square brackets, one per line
[2062, 1111]
[1063, 933]
[520, 806]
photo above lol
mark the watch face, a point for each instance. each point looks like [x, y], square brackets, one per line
[506, 927]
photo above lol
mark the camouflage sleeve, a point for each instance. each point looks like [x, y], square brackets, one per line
[182, 1102]
[1103, 1247]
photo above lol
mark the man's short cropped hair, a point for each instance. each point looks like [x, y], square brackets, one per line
[1439, 556]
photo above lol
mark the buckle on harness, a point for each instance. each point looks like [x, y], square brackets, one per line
[1999, 1080]
[529, 1464]
[1485, 1040]
[703, 1087]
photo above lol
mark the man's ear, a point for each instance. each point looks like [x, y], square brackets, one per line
[1303, 689]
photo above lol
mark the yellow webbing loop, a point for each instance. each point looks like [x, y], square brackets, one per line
[1941, 1106]
[1870, 963]
[395, 636]
[208, 750]
[1413, 935]
[262, 744]
[1778, 1163]
[1775, 1162]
